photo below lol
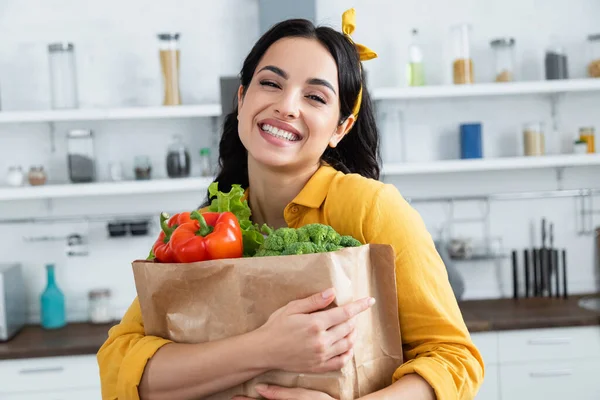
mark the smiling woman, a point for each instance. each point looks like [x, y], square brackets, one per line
[304, 144]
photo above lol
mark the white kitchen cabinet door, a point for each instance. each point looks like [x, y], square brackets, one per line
[48, 374]
[80, 394]
[554, 380]
[490, 389]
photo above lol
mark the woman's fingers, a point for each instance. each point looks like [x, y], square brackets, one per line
[341, 314]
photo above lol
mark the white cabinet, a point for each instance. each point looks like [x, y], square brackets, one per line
[50, 378]
[544, 364]
[543, 380]
[77, 394]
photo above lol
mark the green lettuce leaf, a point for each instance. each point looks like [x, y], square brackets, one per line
[232, 202]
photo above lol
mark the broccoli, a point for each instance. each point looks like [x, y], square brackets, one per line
[266, 253]
[349, 241]
[299, 248]
[311, 238]
[273, 242]
[321, 234]
[288, 235]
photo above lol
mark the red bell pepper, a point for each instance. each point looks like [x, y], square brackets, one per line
[161, 250]
[208, 236]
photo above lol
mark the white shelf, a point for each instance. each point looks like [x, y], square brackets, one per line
[487, 89]
[201, 184]
[105, 189]
[492, 164]
[99, 114]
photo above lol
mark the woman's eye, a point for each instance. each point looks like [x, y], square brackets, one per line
[269, 83]
[317, 98]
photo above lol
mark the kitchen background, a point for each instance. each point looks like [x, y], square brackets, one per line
[117, 62]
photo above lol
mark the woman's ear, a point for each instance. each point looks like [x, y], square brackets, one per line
[240, 97]
[341, 130]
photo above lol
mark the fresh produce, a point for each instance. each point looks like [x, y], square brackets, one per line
[208, 236]
[309, 239]
[161, 251]
[226, 231]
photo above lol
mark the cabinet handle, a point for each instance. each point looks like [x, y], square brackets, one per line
[41, 370]
[547, 374]
[546, 341]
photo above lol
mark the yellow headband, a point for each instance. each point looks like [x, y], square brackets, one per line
[364, 53]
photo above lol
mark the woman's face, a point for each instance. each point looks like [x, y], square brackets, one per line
[290, 112]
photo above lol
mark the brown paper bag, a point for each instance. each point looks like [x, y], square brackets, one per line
[211, 300]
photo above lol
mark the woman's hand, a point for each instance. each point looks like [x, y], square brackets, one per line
[300, 337]
[272, 392]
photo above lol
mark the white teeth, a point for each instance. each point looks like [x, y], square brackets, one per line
[273, 131]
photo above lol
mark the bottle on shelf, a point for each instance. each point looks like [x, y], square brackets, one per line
[415, 70]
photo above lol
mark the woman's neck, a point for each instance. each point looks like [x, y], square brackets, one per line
[271, 191]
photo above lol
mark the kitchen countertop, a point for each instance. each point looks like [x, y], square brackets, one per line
[479, 315]
[73, 339]
[526, 313]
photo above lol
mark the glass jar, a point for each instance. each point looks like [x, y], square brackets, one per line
[36, 175]
[594, 51]
[63, 75]
[142, 167]
[556, 63]
[205, 169]
[15, 176]
[169, 64]
[178, 159]
[504, 56]
[533, 139]
[462, 65]
[81, 156]
[99, 306]
[587, 135]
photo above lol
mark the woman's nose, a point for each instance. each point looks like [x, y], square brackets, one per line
[288, 106]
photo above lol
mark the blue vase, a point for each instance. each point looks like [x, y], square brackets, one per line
[53, 303]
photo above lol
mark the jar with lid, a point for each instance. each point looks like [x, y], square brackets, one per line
[178, 158]
[504, 56]
[533, 139]
[462, 65]
[81, 156]
[586, 134]
[36, 175]
[594, 54]
[63, 75]
[142, 168]
[556, 63]
[169, 65]
[15, 176]
[99, 306]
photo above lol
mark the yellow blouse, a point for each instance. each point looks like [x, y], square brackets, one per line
[435, 339]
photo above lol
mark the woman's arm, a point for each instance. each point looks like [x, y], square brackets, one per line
[409, 387]
[184, 371]
[436, 342]
[297, 337]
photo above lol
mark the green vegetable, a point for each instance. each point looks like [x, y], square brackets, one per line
[309, 239]
[349, 241]
[252, 235]
[321, 234]
[298, 248]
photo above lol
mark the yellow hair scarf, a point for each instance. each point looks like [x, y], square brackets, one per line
[364, 53]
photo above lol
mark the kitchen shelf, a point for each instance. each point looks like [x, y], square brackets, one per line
[52, 191]
[105, 189]
[492, 164]
[487, 89]
[100, 114]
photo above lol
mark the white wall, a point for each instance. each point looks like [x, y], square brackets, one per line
[118, 65]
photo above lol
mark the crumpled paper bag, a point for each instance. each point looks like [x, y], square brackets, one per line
[212, 300]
